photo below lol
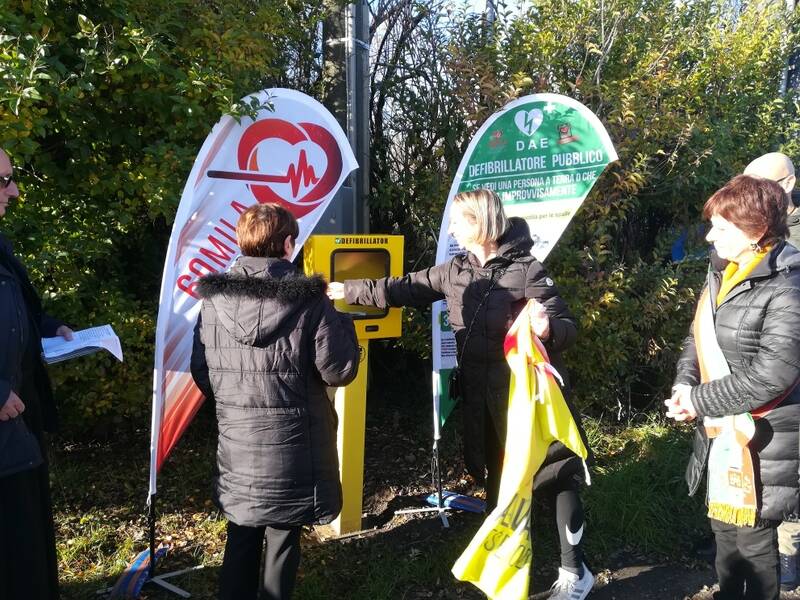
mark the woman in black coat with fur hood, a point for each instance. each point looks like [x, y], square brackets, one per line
[267, 343]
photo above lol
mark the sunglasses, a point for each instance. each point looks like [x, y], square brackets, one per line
[5, 181]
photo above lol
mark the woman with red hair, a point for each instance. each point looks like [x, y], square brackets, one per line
[738, 377]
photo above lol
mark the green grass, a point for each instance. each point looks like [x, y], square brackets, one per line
[637, 503]
[638, 498]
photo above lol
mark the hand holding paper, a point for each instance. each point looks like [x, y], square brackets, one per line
[65, 332]
[86, 341]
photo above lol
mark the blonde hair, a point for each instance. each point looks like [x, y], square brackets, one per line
[483, 207]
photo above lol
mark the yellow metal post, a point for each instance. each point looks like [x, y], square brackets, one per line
[351, 406]
[338, 258]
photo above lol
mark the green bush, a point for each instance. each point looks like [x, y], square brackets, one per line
[103, 107]
[633, 319]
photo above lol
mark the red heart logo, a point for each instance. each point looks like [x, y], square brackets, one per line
[299, 173]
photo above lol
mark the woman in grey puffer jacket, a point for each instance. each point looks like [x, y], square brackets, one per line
[741, 359]
[267, 343]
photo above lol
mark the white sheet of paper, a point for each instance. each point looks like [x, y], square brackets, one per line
[84, 341]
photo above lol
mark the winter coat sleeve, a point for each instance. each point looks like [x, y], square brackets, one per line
[9, 352]
[419, 289]
[563, 326]
[198, 364]
[774, 369]
[688, 369]
[336, 352]
[49, 325]
[5, 391]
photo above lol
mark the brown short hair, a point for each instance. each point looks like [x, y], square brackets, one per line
[756, 206]
[262, 230]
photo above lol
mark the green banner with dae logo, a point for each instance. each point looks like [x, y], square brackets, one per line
[541, 154]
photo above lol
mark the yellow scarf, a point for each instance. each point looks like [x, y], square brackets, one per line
[735, 274]
[731, 476]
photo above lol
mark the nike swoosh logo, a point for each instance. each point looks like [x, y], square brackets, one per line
[574, 538]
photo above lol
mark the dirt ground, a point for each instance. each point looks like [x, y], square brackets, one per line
[390, 441]
[657, 582]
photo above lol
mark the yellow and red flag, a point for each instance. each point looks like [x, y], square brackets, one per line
[498, 559]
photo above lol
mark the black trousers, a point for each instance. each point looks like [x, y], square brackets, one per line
[243, 575]
[495, 453]
[28, 563]
[747, 562]
[562, 494]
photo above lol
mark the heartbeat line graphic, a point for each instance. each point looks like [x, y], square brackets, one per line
[295, 175]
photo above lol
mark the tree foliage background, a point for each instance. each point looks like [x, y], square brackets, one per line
[103, 106]
[689, 93]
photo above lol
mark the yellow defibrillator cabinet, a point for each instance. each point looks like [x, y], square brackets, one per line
[339, 258]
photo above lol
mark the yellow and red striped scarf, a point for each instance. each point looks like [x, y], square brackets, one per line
[731, 477]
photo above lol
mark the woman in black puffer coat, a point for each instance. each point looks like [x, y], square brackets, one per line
[267, 343]
[743, 358]
[486, 288]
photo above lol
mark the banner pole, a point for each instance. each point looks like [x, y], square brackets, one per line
[436, 474]
[151, 503]
[438, 481]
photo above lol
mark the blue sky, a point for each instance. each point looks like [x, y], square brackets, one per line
[480, 5]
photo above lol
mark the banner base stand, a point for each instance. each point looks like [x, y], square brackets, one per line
[436, 476]
[442, 513]
[142, 571]
[159, 580]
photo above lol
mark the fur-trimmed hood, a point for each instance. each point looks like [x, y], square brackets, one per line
[257, 295]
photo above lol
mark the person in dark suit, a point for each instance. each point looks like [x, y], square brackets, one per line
[28, 565]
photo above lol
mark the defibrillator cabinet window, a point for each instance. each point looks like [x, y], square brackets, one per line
[360, 264]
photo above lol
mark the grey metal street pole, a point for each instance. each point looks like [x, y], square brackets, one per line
[346, 81]
[790, 74]
[360, 112]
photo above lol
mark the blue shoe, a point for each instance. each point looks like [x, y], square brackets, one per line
[788, 572]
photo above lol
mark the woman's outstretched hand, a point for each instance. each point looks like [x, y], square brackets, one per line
[335, 290]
